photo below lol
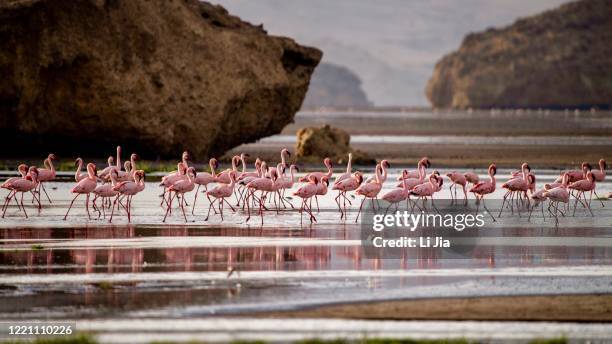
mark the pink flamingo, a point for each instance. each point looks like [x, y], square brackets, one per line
[246, 179]
[384, 165]
[517, 184]
[46, 174]
[599, 176]
[328, 163]
[284, 164]
[321, 191]
[205, 178]
[182, 187]
[26, 184]
[471, 177]
[583, 186]
[263, 184]
[484, 188]
[425, 190]
[78, 175]
[23, 171]
[345, 186]
[556, 195]
[220, 193]
[85, 187]
[172, 178]
[397, 195]
[106, 171]
[348, 172]
[133, 168]
[285, 183]
[575, 175]
[457, 179]
[412, 182]
[128, 189]
[224, 177]
[370, 190]
[537, 197]
[306, 192]
[423, 163]
[106, 192]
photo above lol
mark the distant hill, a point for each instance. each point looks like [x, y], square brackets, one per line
[335, 86]
[559, 59]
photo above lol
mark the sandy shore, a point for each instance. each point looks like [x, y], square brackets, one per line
[575, 308]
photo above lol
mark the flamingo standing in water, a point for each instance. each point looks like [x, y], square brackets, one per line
[321, 191]
[423, 163]
[384, 165]
[349, 170]
[575, 175]
[263, 184]
[556, 195]
[105, 191]
[85, 187]
[128, 189]
[345, 186]
[284, 152]
[46, 174]
[397, 195]
[457, 179]
[23, 171]
[425, 190]
[370, 190]
[172, 178]
[224, 177]
[26, 184]
[182, 187]
[471, 178]
[599, 176]
[306, 192]
[205, 178]
[518, 184]
[537, 197]
[220, 193]
[104, 174]
[483, 188]
[583, 186]
[328, 163]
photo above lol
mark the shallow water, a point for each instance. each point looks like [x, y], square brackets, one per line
[106, 273]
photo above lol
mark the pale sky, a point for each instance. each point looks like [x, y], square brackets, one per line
[392, 45]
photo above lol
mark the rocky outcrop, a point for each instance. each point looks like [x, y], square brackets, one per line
[315, 144]
[558, 59]
[156, 76]
[337, 87]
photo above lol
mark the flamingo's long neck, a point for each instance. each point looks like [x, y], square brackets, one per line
[421, 172]
[243, 164]
[349, 167]
[329, 171]
[113, 179]
[133, 163]
[405, 184]
[118, 162]
[292, 178]
[212, 169]
[492, 177]
[79, 168]
[234, 167]
[46, 163]
[378, 176]
[51, 167]
[384, 169]
[90, 173]
[283, 161]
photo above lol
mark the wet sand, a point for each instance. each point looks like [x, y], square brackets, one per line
[573, 308]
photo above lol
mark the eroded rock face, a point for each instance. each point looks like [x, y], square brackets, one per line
[558, 59]
[157, 76]
[337, 87]
[315, 144]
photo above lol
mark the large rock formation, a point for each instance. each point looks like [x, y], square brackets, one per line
[157, 76]
[315, 144]
[559, 59]
[335, 86]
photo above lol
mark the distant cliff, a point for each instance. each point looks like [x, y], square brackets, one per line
[335, 86]
[157, 76]
[559, 59]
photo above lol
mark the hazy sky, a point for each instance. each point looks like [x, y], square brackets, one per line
[392, 45]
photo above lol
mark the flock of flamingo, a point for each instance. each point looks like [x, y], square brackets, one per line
[258, 189]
